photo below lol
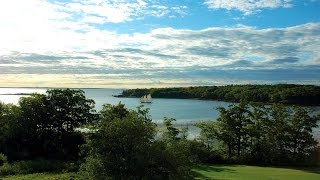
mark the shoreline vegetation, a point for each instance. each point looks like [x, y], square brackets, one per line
[39, 136]
[289, 94]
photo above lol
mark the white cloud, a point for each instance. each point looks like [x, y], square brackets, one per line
[44, 26]
[166, 48]
[39, 37]
[114, 12]
[94, 19]
[248, 6]
[119, 11]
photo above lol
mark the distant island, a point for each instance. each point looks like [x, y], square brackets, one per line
[17, 94]
[307, 95]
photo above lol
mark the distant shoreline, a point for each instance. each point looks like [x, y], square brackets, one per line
[17, 94]
[290, 94]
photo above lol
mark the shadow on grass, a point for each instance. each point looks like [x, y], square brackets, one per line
[310, 169]
[315, 170]
[209, 168]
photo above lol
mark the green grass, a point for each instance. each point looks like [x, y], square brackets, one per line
[255, 173]
[43, 176]
[207, 172]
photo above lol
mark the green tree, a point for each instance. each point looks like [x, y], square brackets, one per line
[278, 133]
[47, 123]
[232, 127]
[264, 135]
[302, 143]
[70, 109]
[259, 144]
[208, 133]
[170, 132]
[11, 130]
[122, 145]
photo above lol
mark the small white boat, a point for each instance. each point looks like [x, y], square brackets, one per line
[146, 99]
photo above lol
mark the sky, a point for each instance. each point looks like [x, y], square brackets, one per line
[158, 43]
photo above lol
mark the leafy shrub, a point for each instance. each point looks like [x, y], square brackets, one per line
[36, 166]
[6, 169]
[3, 159]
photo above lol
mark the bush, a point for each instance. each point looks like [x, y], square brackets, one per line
[6, 169]
[3, 159]
[37, 166]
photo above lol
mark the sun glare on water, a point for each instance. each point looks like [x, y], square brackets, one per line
[12, 95]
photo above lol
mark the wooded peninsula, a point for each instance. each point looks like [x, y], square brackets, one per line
[307, 95]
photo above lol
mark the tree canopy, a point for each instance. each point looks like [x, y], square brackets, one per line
[43, 125]
[266, 135]
[123, 145]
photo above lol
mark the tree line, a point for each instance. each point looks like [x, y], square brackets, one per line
[121, 143]
[280, 93]
[256, 134]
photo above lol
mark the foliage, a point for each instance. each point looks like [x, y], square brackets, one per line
[263, 135]
[170, 133]
[36, 166]
[280, 93]
[10, 127]
[43, 176]
[43, 125]
[3, 159]
[122, 144]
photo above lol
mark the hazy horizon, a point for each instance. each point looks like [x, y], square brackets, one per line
[140, 87]
[162, 43]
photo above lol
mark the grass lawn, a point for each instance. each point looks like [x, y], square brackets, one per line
[255, 173]
[44, 176]
[208, 172]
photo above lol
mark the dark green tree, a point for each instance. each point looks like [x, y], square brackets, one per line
[43, 125]
[70, 109]
[259, 143]
[257, 134]
[232, 127]
[302, 142]
[278, 133]
[11, 130]
[170, 132]
[122, 145]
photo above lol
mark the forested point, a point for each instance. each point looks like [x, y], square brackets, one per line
[60, 131]
[308, 95]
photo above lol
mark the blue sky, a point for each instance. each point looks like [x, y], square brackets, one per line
[158, 43]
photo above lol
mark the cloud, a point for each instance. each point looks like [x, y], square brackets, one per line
[43, 25]
[286, 60]
[248, 7]
[40, 39]
[115, 11]
[172, 78]
[227, 48]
